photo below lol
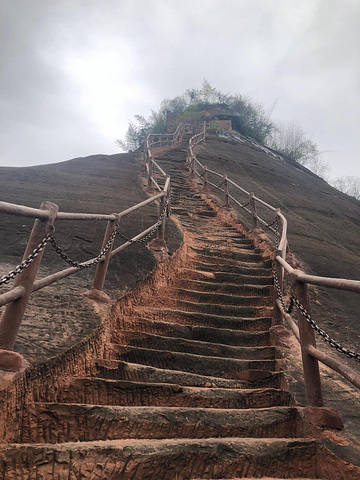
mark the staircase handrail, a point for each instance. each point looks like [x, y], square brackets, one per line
[304, 331]
[24, 275]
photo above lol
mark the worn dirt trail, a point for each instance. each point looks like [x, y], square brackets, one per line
[190, 386]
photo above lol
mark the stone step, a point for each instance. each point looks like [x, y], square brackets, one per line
[175, 459]
[188, 362]
[202, 319]
[99, 391]
[174, 344]
[185, 326]
[210, 308]
[228, 288]
[217, 298]
[134, 372]
[237, 240]
[251, 255]
[64, 422]
[234, 269]
[181, 211]
[221, 263]
[225, 277]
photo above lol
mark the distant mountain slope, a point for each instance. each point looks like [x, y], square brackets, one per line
[323, 223]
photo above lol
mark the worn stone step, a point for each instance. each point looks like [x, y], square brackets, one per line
[228, 288]
[233, 254]
[174, 459]
[219, 263]
[218, 246]
[226, 277]
[134, 372]
[186, 327]
[64, 422]
[212, 308]
[234, 269]
[236, 239]
[202, 319]
[217, 298]
[99, 391]
[188, 362]
[181, 211]
[174, 344]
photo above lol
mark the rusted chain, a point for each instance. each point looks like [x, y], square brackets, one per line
[326, 337]
[82, 265]
[289, 308]
[333, 343]
[25, 263]
[166, 211]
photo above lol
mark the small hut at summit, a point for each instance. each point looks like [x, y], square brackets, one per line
[219, 113]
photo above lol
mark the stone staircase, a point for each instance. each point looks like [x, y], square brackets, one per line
[190, 387]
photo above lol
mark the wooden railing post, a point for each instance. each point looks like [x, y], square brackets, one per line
[205, 179]
[226, 192]
[307, 338]
[96, 292]
[253, 209]
[150, 170]
[278, 272]
[192, 167]
[161, 229]
[14, 312]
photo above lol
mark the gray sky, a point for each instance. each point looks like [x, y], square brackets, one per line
[74, 72]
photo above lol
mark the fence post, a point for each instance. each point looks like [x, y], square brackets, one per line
[279, 271]
[253, 209]
[161, 229]
[96, 292]
[14, 312]
[150, 188]
[226, 192]
[307, 338]
[205, 179]
[192, 167]
[159, 244]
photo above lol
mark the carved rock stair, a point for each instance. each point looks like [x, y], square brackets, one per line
[190, 387]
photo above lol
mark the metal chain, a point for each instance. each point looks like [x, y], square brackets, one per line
[289, 308]
[25, 263]
[326, 337]
[49, 238]
[166, 211]
[333, 343]
[82, 266]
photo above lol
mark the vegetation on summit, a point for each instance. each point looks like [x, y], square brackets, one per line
[250, 119]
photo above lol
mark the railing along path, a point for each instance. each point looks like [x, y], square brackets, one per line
[16, 298]
[305, 330]
[24, 275]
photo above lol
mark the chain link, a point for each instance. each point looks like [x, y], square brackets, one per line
[289, 308]
[83, 265]
[333, 343]
[49, 238]
[26, 263]
[326, 337]
[166, 211]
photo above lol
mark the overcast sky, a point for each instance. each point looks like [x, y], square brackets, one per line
[74, 72]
